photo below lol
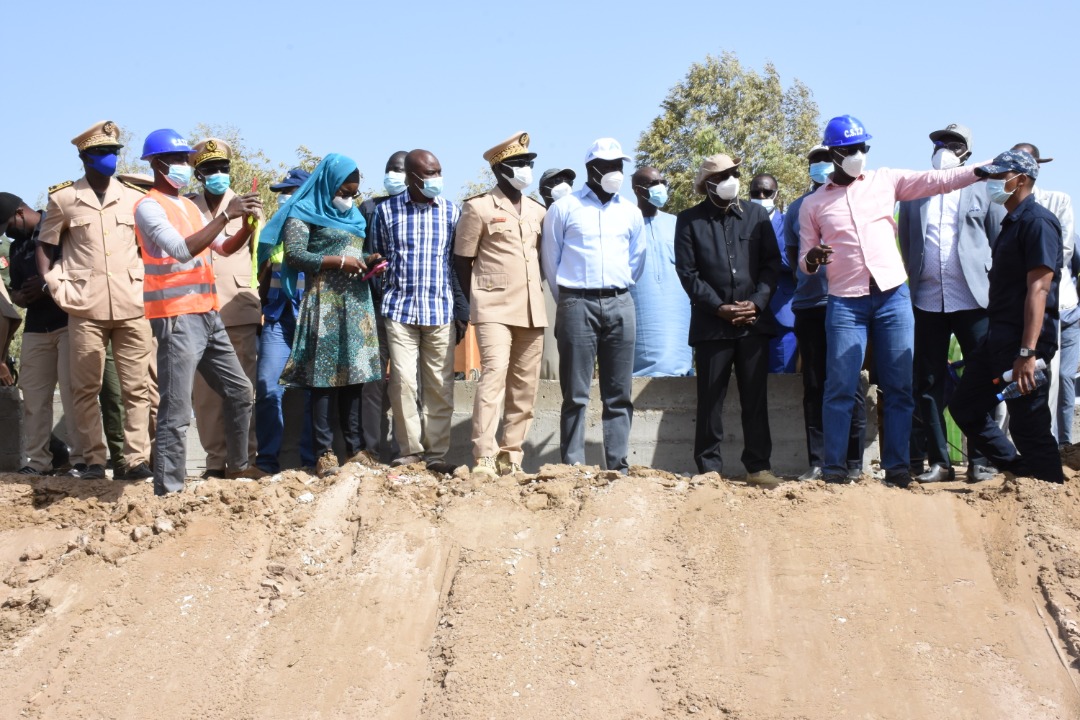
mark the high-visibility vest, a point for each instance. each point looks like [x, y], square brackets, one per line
[171, 287]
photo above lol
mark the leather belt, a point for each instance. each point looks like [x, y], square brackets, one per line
[589, 293]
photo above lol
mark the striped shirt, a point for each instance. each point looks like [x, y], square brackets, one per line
[416, 240]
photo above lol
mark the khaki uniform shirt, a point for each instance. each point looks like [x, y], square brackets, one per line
[99, 275]
[506, 273]
[232, 273]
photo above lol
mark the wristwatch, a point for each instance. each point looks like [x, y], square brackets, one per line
[1027, 352]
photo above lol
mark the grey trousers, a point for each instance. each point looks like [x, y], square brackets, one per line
[186, 344]
[596, 332]
[375, 406]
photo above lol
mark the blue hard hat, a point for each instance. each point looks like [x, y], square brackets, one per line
[164, 141]
[845, 130]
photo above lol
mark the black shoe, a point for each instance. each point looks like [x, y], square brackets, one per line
[93, 472]
[899, 478]
[980, 473]
[140, 472]
[836, 479]
[76, 470]
[442, 467]
[212, 473]
[27, 470]
[936, 474]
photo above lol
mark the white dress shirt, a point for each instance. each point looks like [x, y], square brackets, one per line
[1060, 204]
[942, 286]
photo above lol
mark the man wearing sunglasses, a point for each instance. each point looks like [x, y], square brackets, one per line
[847, 226]
[945, 241]
[728, 260]
[782, 348]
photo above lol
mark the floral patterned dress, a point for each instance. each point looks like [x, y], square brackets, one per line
[336, 343]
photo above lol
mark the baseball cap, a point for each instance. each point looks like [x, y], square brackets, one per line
[953, 130]
[1012, 161]
[293, 179]
[605, 149]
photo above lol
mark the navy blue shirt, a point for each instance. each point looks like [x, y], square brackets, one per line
[43, 315]
[1030, 238]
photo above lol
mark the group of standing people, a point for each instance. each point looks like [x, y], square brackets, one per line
[205, 304]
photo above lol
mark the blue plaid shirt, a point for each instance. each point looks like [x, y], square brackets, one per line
[416, 239]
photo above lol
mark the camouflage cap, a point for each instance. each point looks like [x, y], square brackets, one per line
[1012, 161]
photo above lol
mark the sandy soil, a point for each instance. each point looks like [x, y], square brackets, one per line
[571, 594]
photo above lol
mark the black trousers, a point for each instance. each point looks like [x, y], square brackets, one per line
[933, 331]
[972, 408]
[813, 346]
[348, 400]
[714, 360]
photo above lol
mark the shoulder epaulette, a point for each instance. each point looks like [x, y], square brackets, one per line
[61, 186]
[544, 207]
[477, 195]
[133, 186]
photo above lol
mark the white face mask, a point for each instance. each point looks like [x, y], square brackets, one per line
[726, 189]
[611, 182]
[945, 160]
[766, 203]
[853, 165]
[560, 190]
[521, 179]
[343, 205]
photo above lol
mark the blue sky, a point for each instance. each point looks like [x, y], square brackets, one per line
[455, 78]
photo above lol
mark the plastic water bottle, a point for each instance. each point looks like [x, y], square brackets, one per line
[1012, 390]
[1006, 377]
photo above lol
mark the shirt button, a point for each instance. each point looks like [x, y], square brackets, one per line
[109, 274]
[108, 253]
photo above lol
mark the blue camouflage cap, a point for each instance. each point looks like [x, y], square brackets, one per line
[1012, 161]
[293, 179]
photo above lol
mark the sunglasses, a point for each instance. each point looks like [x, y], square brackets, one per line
[953, 146]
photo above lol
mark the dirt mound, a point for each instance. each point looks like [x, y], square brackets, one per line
[574, 593]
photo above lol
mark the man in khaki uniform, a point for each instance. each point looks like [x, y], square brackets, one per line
[241, 310]
[495, 254]
[98, 280]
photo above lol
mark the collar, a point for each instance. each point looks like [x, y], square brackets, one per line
[503, 203]
[85, 194]
[204, 207]
[1022, 208]
[587, 191]
[829, 184]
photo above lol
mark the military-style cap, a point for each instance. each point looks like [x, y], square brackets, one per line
[552, 172]
[138, 179]
[955, 131]
[210, 149]
[1012, 161]
[513, 146]
[103, 134]
[293, 179]
[712, 165]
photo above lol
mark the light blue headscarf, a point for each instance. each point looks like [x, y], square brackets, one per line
[313, 203]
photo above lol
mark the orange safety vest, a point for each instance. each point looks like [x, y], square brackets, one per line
[171, 287]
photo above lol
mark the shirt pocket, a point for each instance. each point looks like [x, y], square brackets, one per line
[497, 228]
[82, 228]
[492, 282]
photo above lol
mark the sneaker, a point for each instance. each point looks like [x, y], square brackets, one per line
[27, 470]
[763, 477]
[836, 479]
[248, 473]
[93, 472]
[406, 460]
[502, 463]
[813, 473]
[327, 464]
[485, 465]
[854, 474]
[139, 472]
[515, 469]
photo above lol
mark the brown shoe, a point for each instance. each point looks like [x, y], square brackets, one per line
[327, 464]
[249, 473]
[406, 460]
[365, 457]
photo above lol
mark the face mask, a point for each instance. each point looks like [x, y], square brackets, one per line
[394, 182]
[104, 164]
[560, 190]
[658, 195]
[819, 171]
[179, 175]
[945, 160]
[217, 183]
[521, 179]
[853, 165]
[432, 187]
[766, 203]
[726, 189]
[611, 182]
[995, 190]
[343, 205]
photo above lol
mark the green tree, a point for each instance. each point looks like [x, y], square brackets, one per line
[722, 107]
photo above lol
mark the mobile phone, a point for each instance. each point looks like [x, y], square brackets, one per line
[371, 273]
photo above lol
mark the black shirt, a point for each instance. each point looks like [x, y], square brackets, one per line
[42, 315]
[1030, 238]
[724, 257]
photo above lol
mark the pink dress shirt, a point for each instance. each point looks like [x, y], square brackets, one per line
[857, 222]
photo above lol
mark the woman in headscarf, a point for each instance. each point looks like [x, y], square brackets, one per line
[336, 348]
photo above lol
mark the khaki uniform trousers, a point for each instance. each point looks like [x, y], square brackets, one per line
[509, 375]
[131, 343]
[210, 407]
[45, 359]
[427, 350]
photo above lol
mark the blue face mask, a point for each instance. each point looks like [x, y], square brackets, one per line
[658, 195]
[104, 164]
[432, 187]
[394, 182]
[179, 175]
[217, 183]
[820, 171]
[995, 190]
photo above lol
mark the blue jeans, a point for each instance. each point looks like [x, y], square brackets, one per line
[885, 317]
[275, 344]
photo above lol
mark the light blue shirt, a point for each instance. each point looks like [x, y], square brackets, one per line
[662, 347]
[587, 245]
